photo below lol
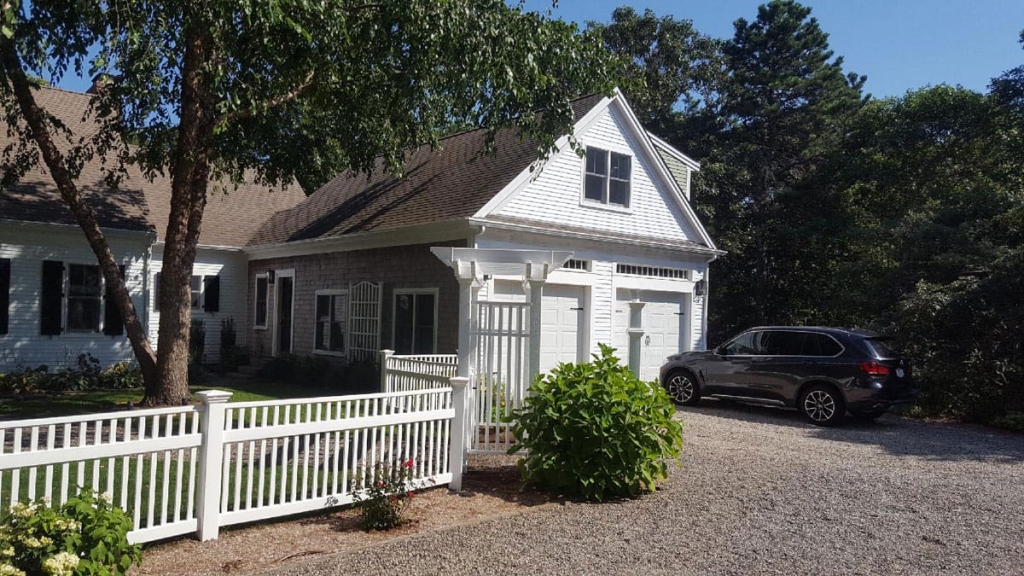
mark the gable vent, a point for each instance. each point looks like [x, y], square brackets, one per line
[652, 271]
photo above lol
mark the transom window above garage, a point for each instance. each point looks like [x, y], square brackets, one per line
[652, 271]
[607, 177]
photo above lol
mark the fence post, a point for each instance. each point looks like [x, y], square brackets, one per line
[211, 458]
[384, 356]
[458, 447]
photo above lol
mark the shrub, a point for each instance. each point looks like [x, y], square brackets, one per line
[231, 354]
[311, 371]
[121, 375]
[596, 431]
[383, 504]
[1010, 421]
[196, 342]
[87, 535]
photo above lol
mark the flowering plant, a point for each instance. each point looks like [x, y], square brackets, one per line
[384, 501]
[87, 535]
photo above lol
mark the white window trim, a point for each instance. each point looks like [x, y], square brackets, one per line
[202, 292]
[413, 291]
[65, 307]
[619, 208]
[266, 317]
[316, 320]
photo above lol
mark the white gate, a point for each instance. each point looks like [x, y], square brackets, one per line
[501, 340]
[364, 321]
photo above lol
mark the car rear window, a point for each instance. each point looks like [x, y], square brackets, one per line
[884, 347]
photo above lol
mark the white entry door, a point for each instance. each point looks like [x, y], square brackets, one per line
[562, 320]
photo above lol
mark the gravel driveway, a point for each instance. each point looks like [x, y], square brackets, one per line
[761, 492]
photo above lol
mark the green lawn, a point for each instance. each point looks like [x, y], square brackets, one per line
[93, 401]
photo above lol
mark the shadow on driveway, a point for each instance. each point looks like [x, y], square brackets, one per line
[896, 435]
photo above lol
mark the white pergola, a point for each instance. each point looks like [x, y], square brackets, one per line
[472, 265]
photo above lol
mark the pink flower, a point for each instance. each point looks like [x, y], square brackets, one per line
[412, 494]
[380, 484]
[408, 463]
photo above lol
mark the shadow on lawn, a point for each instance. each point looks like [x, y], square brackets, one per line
[898, 436]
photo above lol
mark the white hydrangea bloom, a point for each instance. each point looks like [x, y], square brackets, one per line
[8, 570]
[63, 564]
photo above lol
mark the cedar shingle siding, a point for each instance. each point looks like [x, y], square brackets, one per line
[400, 267]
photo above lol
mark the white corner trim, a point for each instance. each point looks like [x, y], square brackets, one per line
[524, 177]
[673, 152]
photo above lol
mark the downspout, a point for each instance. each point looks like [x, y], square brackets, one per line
[146, 288]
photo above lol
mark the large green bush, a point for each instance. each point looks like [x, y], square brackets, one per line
[596, 431]
[87, 535]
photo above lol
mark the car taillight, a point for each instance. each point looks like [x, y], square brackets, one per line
[874, 369]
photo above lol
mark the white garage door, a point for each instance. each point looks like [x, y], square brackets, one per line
[561, 322]
[664, 322]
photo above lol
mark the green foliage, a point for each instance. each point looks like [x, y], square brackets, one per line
[85, 536]
[85, 374]
[309, 371]
[196, 342]
[596, 431]
[1010, 421]
[231, 354]
[383, 504]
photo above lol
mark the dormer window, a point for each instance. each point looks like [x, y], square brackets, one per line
[607, 178]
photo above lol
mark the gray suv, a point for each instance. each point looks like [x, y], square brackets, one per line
[822, 372]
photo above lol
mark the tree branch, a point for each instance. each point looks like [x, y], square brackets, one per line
[272, 103]
[84, 214]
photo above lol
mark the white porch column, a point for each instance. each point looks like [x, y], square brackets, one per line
[536, 303]
[467, 293]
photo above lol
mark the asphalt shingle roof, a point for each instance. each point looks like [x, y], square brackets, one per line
[230, 219]
[448, 183]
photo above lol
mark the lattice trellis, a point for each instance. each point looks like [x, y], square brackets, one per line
[364, 320]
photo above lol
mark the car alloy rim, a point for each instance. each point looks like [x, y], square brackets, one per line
[680, 388]
[819, 405]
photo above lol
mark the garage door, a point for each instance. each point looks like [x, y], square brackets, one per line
[664, 324]
[561, 321]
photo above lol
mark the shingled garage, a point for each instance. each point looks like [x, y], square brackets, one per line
[622, 210]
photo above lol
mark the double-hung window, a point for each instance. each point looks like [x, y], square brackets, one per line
[607, 177]
[415, 321]
[85, 298]
[331, 320]
[262, 293]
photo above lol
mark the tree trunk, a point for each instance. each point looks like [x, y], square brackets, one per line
[81, 210]
[190, 177]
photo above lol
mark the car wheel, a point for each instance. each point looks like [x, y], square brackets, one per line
[822, 405]
[867, 416]
[682, 388]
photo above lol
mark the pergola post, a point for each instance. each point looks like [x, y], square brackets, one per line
[536, 302]
[468, 290]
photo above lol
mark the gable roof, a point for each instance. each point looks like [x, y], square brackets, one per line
[449, 183]
[230, 219]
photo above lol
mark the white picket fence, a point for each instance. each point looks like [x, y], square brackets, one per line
[419, 372]
[196, 468]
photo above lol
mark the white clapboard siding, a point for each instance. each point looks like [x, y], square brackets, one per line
[27, 246]
[232, 267]
[195, 468]
[554, 197]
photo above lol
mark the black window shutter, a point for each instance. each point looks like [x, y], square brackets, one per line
[5, 293]
[211, 293]
[113, 323]
[51, 298]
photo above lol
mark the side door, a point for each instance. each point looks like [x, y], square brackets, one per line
[729, 371]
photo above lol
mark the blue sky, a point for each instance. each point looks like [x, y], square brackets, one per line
[899, 44]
